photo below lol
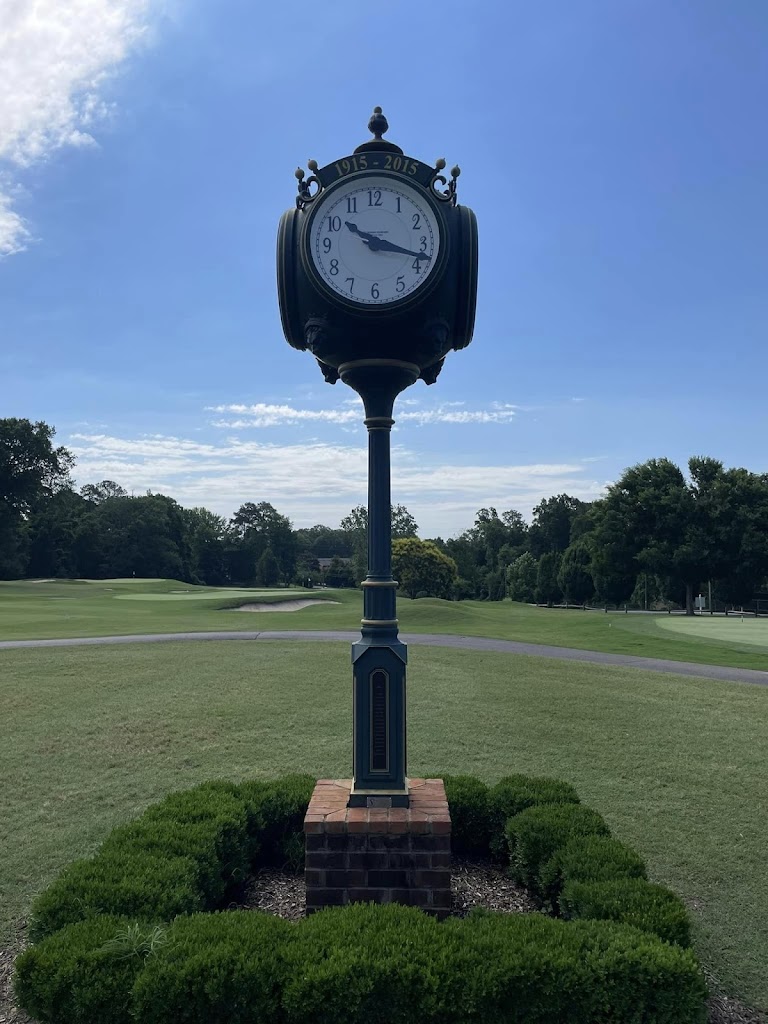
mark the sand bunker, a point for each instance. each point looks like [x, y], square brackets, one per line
[280, 606]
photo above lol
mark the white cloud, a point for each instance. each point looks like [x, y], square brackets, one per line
[263, 415]
[316, 482]
[14, 234]
[55, 56]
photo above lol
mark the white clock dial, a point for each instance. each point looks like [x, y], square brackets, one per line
[374, 241]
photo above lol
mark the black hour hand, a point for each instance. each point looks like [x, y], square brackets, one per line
[356, 231]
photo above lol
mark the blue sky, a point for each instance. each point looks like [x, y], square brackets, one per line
[614, 151]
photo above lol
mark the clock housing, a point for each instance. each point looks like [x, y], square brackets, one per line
[389, 309]
[374, 241]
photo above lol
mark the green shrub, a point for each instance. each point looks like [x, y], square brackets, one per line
[124, 884]
[536, 834]
[588, 859]
[516, 793]
[76, 977]
[276, 815]
[368, 964]
[221, 968]
[632, 901]
[468, 804]
[578, 972]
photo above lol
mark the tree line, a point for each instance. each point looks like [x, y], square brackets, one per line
[657, 537]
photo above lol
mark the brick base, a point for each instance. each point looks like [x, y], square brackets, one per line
[377, 854]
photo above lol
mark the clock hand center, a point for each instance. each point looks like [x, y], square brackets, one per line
[376, 244]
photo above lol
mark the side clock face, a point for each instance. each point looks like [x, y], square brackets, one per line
[374, 240]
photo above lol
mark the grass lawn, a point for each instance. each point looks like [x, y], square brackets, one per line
[119, 607]
[92, 735]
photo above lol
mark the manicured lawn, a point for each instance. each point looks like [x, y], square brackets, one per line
[120, 607]
[92, 735]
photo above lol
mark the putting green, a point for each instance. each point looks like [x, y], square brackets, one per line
[209, 595]
[732, 629]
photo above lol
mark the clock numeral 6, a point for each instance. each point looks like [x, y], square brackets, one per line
[400, 286]
[375, 290]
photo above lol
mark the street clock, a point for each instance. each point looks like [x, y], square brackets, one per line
[378, 260]
[377, 278]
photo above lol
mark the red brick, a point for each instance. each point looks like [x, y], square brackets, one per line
[357, 825]
[441, 827]
[314, 879]
[441, 898]
[432, 879]
[357, 814]
[314, 823]
[343, 878]
[398, 825]
[440, 860]
[316, 859]
[325, 897]
[366, 895]
[378, 819]
[418, 825]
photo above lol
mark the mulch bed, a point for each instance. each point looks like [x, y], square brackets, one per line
[473, 885]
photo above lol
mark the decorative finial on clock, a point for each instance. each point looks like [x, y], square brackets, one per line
[377, 126]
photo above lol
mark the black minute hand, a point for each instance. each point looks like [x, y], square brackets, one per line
[376, 244]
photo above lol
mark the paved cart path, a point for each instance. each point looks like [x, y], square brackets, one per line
[473, 643]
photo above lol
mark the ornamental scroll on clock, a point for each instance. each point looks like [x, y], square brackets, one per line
[378, 260]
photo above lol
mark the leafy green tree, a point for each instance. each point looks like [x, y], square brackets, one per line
[340, 574]
[422, 568]
[521, 578]
[613, 565]
[552, 521]
[547, 588]
[575, 577]
[669, 525]
[102, 491]
[268, 569]
[53, 533]
[31, 471]
[252, 529]
[142, 536]
[206, 536]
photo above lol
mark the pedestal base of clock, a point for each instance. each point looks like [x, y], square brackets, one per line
[378, 854]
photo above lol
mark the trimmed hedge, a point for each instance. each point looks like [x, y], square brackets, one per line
[535, 836]
[588, 859]
[633, 901]
[516, 793]
[223, 968]
[71, 978]
[126, 939]
[364, 964]
[186, 854]
[468, 800]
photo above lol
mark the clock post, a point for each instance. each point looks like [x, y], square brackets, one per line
[377, 278]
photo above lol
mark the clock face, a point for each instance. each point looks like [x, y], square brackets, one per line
[374, 240]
